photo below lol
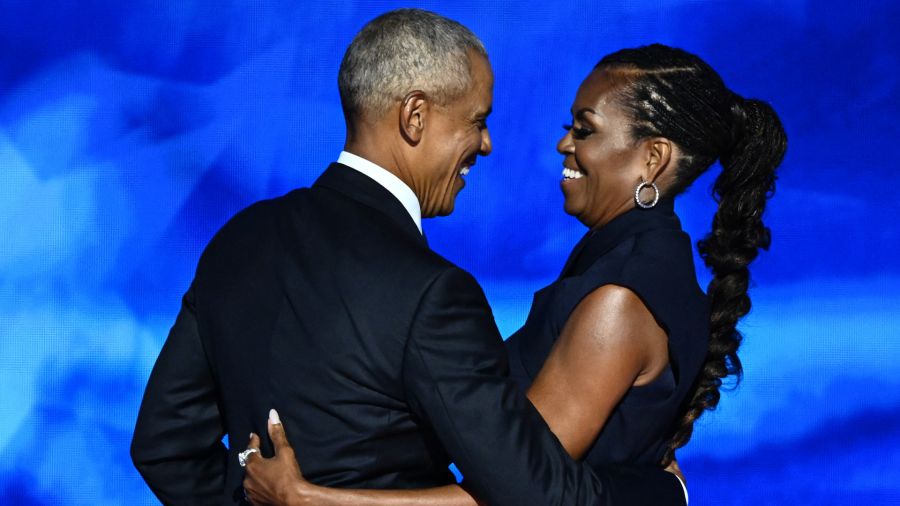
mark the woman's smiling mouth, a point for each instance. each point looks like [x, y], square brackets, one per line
[569, 174]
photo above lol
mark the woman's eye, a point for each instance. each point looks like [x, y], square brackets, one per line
[578, 132]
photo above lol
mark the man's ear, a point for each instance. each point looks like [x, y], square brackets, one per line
[658, 157]
[413, 110]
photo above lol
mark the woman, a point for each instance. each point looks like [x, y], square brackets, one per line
[624, 351]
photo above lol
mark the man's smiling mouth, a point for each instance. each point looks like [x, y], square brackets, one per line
[466, 166]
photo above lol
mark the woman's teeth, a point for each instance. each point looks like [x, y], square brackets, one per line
[464, 171]
[572, 173]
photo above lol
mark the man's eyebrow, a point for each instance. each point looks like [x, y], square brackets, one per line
[484, 114]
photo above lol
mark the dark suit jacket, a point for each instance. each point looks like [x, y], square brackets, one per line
[381, 356]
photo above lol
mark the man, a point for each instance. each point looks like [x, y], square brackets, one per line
[327, 304]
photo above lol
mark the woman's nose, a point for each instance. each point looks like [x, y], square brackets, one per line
[565, 146]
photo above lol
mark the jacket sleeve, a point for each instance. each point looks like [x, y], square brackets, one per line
[456, 378]
[177, 445]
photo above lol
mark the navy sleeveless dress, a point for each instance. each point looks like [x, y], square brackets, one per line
[646, 251]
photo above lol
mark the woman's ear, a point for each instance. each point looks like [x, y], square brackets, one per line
[658, 157]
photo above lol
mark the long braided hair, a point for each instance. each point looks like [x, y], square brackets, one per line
[668, 92]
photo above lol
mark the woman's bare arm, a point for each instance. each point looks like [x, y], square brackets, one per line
[610, 343]
[279, 481]
[449, 495]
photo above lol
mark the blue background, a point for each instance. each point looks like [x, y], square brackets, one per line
[130, 131]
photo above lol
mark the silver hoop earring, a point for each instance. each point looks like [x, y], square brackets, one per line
[637, 195]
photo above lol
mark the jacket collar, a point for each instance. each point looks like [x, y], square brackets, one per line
[597, 242]
[363, 189]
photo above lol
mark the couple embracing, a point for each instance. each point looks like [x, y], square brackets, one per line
[382, 360]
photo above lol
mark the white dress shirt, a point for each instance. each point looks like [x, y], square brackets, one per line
[389, 181]
[405, 195]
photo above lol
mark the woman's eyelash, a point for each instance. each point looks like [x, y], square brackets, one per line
[578, 133]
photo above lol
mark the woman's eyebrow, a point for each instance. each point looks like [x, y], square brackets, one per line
[580, 113]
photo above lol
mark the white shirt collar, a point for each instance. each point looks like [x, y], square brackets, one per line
[389, 181]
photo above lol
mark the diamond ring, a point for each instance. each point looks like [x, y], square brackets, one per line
[244, 455]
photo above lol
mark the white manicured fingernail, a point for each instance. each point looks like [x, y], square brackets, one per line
[273, 417]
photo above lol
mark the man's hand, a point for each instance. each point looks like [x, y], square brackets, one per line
[278, 480]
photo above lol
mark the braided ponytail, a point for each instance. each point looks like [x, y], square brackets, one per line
[671, 93]
[738, 233]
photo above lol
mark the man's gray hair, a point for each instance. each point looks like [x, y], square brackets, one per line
[402, 51]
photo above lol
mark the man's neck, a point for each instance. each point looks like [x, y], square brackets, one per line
[379, 152]
[393, 184]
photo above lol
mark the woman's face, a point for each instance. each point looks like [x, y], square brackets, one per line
[602, 165]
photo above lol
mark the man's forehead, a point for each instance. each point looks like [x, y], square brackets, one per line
[480, 105]
[481, 68]
[484, 98]
[480, 101]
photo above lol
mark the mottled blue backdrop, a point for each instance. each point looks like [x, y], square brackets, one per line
[130, 131]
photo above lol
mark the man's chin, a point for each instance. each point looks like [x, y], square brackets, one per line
[445, 211]
[448, 207]
[570, 208]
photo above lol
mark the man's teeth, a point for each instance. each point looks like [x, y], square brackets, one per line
[464, 171]
[572, 173]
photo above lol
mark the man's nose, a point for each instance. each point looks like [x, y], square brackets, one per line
[485, 143]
